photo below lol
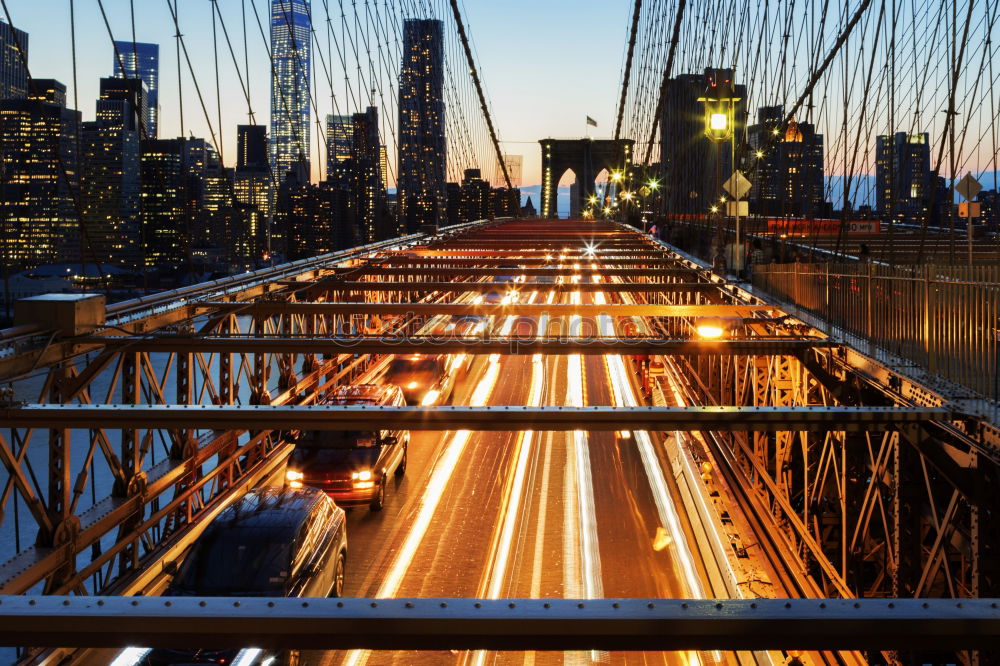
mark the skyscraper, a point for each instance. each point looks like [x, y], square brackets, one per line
[369, 192]
[142, 61]
[109, 174]
[339, 139]
[421, 177]
[38, 216]
[290, 30]
[251, 147]
[13, 75]
[903, 177]
[253, 188]
[788, 179]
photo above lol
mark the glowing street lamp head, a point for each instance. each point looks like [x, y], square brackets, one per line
[714, 209]
[653, 184]
[627, 196]
[760, 153]
[718, 122]
[616, 176]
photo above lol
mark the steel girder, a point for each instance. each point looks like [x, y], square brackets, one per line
[338, 417]
[507, 624]
[520, 309]
[585, 271]
[455, 345]
[485, 287]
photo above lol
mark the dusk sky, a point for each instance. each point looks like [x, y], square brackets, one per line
[547, 65]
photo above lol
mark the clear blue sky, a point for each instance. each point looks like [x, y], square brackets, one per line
[547, 64]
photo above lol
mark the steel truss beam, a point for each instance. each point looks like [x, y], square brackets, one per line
[335, 417]
[454, 345]
[536, 262]
[509, 624]
[484, 287]
[518, 309]
[586, 272]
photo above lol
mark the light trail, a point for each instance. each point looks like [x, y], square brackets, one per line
[624, 396]
[433, 492]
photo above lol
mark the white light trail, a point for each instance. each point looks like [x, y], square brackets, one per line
[624, 396]
[440, 477]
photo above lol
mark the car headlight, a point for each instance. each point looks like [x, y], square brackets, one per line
[293, 475]
[363, 475]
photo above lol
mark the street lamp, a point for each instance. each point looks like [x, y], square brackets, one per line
[720, 104]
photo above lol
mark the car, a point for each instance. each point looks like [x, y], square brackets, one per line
[272, 542]
[351, 466]
[426, 379]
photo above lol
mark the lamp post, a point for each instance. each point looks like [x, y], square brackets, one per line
[720, 104]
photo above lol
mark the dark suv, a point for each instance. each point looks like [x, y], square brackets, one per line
[273, 542]
[352, 466]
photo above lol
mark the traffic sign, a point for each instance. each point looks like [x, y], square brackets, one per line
[968, 187]
[737, 185]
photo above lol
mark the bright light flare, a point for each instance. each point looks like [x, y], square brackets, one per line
[710, 331]
[430, 398]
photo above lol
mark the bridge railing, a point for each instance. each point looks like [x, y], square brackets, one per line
[944, 319]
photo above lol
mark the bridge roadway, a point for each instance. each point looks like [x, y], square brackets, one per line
[540, 515]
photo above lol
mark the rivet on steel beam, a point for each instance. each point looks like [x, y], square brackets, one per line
[409, 604]
[478, 605]
[270, 604]
[202, 604]
[340, 604]
[511, 605]
[788, 604]
[579, 605]
[547, 605]
[718, 606]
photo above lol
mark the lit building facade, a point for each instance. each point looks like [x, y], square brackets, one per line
[290, 51]
[903, 184]
[142, 61]
[368, 187]
[13, 75]
[339, 140]
[170, 192]
[253, 184]
[38, 159]
[422, 148]
[109, 179]
[788, 178]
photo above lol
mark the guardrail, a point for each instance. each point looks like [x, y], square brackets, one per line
[945, 319]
